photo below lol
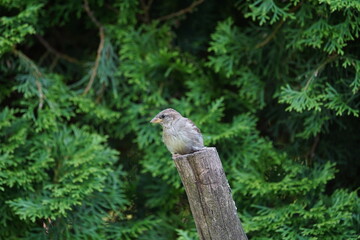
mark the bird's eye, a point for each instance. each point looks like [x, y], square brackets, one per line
[162, 116]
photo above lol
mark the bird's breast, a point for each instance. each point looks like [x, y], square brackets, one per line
[175, 141]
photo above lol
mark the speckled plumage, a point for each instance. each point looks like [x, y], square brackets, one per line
[180, 134]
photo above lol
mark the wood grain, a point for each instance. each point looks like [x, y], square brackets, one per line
[209, 195]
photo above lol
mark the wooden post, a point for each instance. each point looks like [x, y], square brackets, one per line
[209, 195]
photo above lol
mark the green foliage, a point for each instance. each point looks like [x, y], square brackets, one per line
[267, 11]
[15, 28]
[274, 85]
[187, 235]
[225, 41]
[299, 100]
[320, 222]
[355, 84]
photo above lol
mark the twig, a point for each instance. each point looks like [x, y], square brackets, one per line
[100, 93]
[316, 72]
[40, 92]
[311, 153]
[182, 11]
[56, 52]
[277, 28]
[271, 36]
[91, 14]
[53, 63]
[146, 8]
[35, 72]
[100, 47]
[111, 8]
[313, 148]
[43, 57]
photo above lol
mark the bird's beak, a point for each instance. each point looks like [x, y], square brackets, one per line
[156, 120]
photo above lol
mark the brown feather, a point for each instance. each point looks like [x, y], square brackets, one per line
[180, 135]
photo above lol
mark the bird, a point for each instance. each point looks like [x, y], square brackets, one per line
[180, 134]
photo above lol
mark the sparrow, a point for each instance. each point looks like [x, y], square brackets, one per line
[180, 134]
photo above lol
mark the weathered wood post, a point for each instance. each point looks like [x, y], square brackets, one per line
[209, 195]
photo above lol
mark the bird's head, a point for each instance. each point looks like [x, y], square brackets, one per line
[166, 117]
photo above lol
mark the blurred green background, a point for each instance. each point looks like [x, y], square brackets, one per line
[272, 84]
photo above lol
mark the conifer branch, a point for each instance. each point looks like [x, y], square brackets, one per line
[271, 36]
[53, 63]
[146, 9]
[100, 93]
[91, 14]
[277, 28]
[35, 72]
[43, 57]
[111, 8]
[56, 52]
[311, 153]
[100, 47]
[182, 11]
[317, 71]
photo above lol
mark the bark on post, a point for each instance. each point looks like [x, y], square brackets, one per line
[209, 195]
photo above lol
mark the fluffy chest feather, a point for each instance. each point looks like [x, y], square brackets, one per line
[176, 141]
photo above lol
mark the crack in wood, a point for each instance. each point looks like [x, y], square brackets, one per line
[209, 196]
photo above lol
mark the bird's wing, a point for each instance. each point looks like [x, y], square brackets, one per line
[196, 137]
[193, 126]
